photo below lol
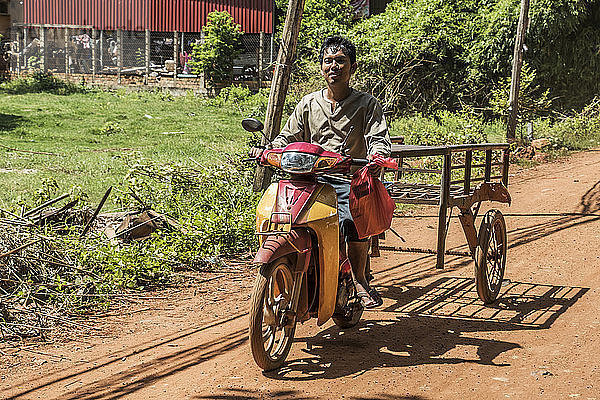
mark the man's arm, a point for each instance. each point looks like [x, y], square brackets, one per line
[377, 136]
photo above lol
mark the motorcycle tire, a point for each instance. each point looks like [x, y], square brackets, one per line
[271, 335]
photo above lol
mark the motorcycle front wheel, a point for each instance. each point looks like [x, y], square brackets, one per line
[271, 328]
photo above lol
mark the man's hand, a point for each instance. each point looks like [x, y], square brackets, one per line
[256, 152]
[375, 166]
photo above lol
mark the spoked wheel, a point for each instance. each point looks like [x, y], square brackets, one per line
[271, 328]
[348, 309]
[490, 256]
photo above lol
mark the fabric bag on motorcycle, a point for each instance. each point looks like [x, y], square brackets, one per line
[371, 206]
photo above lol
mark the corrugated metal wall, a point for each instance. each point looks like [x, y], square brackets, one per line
[157, 15]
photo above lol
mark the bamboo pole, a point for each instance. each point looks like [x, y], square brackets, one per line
[279, 86]
[513, 101]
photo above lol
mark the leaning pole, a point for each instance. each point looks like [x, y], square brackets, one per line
[280, 83]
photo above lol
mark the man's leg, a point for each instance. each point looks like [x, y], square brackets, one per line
[357, 255]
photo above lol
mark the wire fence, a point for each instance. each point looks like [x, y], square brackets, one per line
[84, 50]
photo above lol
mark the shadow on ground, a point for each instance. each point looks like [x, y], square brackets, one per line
[9, 122]
[441, 323]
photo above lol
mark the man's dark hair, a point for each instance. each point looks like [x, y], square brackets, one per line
[335, 43]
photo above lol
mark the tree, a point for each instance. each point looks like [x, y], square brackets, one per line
[221, 45]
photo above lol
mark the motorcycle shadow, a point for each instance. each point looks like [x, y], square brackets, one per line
[442, 323]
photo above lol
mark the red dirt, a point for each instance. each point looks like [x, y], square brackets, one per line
[432, 338]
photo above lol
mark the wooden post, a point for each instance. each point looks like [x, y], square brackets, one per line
[444, 196]
[175, 55]
[119, 54]
[261, 52]
[505, 166]
[279, 85]
[25, 63]
[202, 76]
[147, 74]
[67, 58]
[101, 50]
[43, 48]
[18, 49]
[468, 165]
[487, 172]
[513, 101]
[94, 56]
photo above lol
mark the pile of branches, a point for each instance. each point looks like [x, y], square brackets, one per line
[41, 283]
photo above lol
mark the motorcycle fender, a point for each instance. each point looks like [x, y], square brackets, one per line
[275, 246]
[322, 217]
[264, 209]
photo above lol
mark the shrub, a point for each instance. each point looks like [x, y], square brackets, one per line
[578, 132]
[222, 44]
[41, 82]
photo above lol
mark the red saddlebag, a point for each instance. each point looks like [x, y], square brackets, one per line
[371, 206]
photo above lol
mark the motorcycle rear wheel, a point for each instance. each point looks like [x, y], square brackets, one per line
[271, 332]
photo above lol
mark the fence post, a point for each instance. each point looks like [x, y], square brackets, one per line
[67, 58]
[175, 55]
[202, 76]
[94, 56]
[101, 50]
[18, 49]
[25, 34]
[43, 48]
[119, 54]
[261, 50]
[272, 46]
[147, 74]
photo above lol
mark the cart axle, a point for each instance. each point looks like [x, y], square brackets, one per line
[424, 251]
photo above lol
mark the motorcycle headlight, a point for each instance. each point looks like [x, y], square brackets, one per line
[298, 163]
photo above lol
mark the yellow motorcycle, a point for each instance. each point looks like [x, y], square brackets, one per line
[303, 272]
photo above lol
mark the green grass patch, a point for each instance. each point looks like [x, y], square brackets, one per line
[90, 135]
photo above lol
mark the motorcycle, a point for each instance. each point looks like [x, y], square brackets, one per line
[303, 273]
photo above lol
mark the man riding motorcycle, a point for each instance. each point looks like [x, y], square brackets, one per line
[343, 120]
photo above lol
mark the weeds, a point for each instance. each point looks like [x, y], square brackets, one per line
[41, 82]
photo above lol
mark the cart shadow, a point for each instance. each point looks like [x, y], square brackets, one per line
[424, 266]
[442, 323]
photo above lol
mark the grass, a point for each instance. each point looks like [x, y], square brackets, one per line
[94, 134]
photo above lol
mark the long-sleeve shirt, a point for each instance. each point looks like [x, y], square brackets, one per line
[357, 124]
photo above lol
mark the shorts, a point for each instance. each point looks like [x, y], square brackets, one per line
[347, 227]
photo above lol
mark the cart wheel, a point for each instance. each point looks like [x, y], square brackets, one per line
[490, 256]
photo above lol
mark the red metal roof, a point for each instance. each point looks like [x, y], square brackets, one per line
[157, 15]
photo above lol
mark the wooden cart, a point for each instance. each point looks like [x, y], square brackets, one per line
[461, 176]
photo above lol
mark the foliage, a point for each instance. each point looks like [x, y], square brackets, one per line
[427, 55]
[214, 205]
[241, 99]
[41, 82]
[533, 101]
[444, 128]
[320, 19]
[578, 132]
[109, 128]
[221, 45]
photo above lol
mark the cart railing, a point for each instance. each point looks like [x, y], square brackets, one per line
[481, 172]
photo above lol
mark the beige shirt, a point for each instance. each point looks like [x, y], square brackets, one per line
[357, 123]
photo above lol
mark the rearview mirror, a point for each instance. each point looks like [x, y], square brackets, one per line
[252, 125]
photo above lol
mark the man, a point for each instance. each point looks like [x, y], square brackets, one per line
[347, 121]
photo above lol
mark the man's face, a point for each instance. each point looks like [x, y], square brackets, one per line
[336, 67]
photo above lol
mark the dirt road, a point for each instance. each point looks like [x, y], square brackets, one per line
[432, 338]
